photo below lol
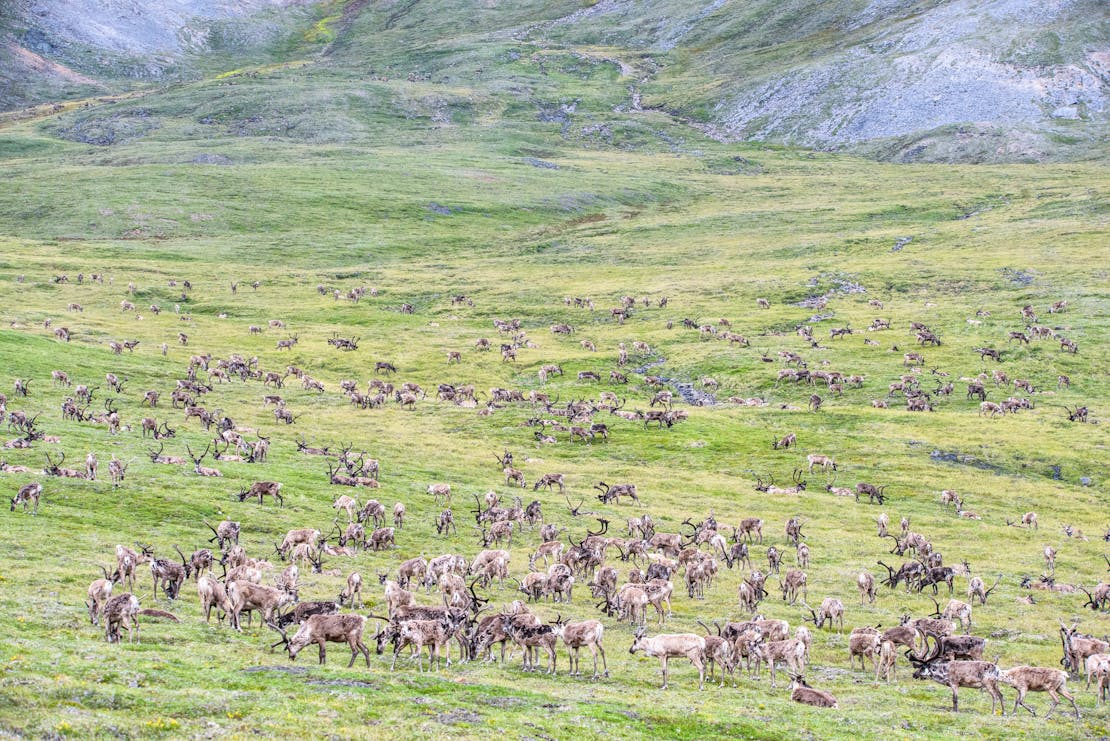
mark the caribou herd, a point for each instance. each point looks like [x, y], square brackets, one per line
[459, 608]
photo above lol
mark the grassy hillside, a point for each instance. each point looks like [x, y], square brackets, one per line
[536, 184]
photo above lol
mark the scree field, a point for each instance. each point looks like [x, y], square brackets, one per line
[521, 177]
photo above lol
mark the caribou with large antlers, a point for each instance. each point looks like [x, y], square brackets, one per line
[981, 675]
[615, 492]
[198, 468]
[55, 468]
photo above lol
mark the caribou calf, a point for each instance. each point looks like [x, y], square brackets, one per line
[119, 612]
[247, 596]
[803, 693]
[100, 591]
[28, 494]
[1038, 679]
[588, 634]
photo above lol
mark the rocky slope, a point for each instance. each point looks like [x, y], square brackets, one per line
[67, 48]
[1017, 78]
[975, 80]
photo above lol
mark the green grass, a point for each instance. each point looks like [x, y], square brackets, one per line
[342, 180]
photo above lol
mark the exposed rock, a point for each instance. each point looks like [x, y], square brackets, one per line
[277, 669]
[106, 131]
[458, 716]
[441, 210]
[1018, 277]
[206, 158]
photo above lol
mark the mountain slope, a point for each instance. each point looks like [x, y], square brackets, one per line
[1010, 80]
[98, 45]
[850, 72]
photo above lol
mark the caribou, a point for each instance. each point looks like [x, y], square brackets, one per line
[666, 646]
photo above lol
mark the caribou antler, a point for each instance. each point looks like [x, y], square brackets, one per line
[930, 657]
[184, 561]
[936, 614]
[215, 534]
[476, 601]
[576, 511]
[890, 573]
[1090, 599]
[602, 531]
[996, 583]
[284, 637]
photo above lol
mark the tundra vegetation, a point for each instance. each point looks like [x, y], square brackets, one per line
[430, 212]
